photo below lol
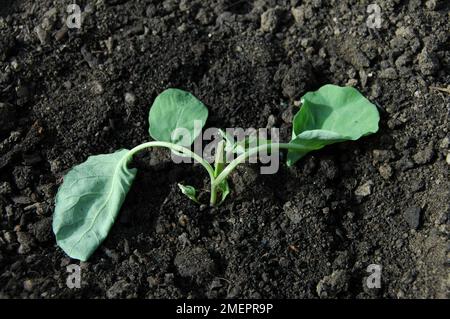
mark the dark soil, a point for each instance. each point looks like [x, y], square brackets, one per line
[309, 231]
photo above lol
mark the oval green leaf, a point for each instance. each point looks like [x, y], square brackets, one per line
[177, 116]
[89, 201]
[330, 115]
[224, 189]
[189, 191]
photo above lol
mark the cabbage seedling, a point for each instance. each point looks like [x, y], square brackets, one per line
[89, 200]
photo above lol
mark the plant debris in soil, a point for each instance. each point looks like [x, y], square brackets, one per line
[309, 231]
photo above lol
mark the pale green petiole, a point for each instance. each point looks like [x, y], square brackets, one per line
[243, 157]
[185, 151]
[219, 165]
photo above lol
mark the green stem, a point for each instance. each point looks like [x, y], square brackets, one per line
[219, 164]
[243, 157]
[185, 151]
[213, 197]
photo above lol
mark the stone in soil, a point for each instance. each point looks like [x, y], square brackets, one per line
[364, 189]
[404, 164]
[428, 62]
[385, 171]
[292, 212]
[302, 14]
[5, 188]
[26, 242]
[130, 98]
[424, 156]
[412, 216]
[270, 20]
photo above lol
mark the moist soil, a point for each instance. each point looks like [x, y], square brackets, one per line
[309, 231]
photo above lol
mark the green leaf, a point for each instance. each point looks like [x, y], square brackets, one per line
[176, 109]
[190, 192]
[312, 141]
[330, 115]
[224, 189]
[88, 202]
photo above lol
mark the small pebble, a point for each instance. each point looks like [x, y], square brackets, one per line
[41, 34]
[424, 156]
[270, 20]
[25, 241]
[298, 15]
[365, 189]
[412, 216]
[97, 88]
[445, 143]
[10, 237]
[183, 220]
[28, 285]
[130, 98]
[5, 188]
[385, 171]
